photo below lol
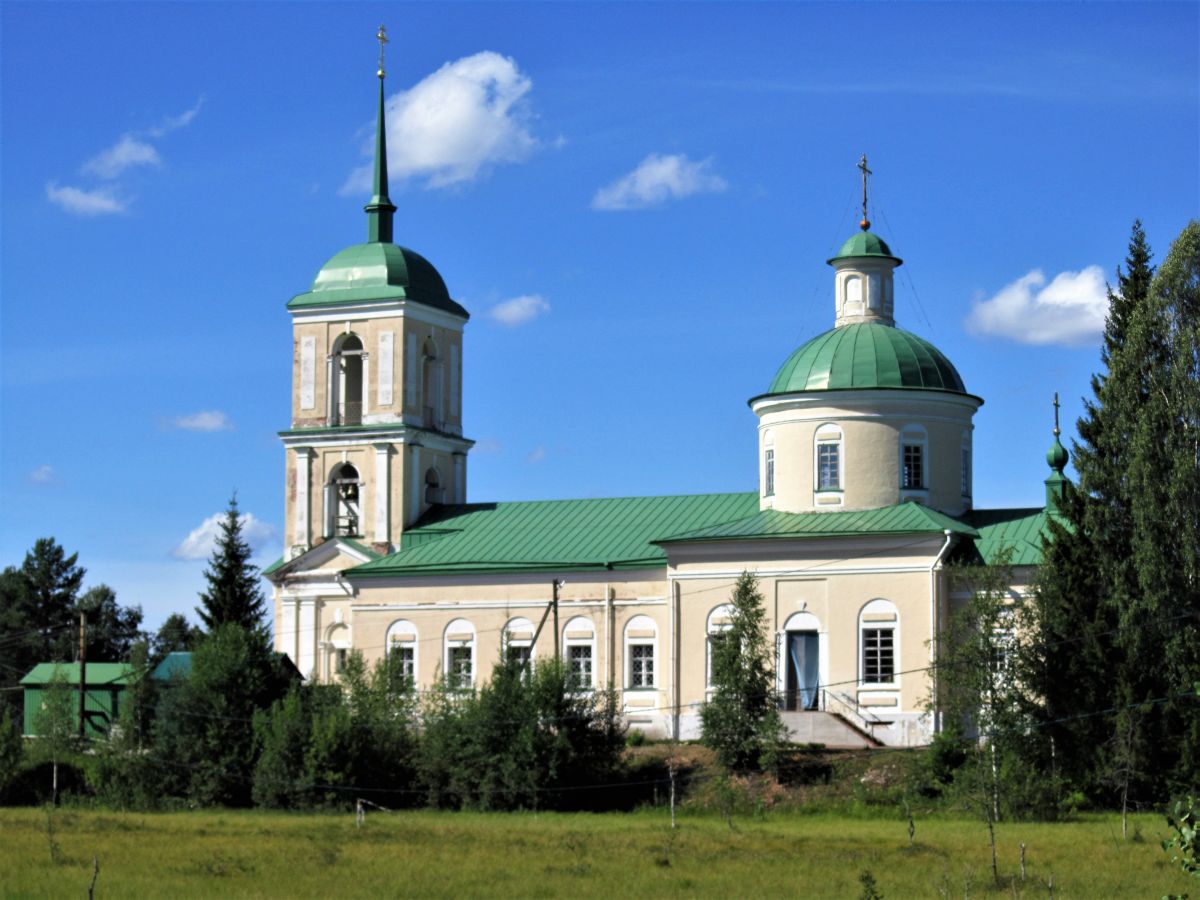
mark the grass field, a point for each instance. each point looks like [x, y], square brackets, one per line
[438, 854]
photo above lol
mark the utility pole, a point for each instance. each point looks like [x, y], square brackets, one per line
[82, 668]
[554, 604]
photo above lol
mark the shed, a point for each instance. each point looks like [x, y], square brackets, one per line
[102, 693]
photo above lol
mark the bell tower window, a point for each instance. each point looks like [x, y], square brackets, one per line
[347, 387]
[343, 513]
[431, 381]
[434, 492]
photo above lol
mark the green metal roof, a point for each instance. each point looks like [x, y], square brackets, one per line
[628, 532]
[378, 271]
[97, 673]
[558, 535]
[866, 355]
[903, 518]
[1019, 530]
[865, 244]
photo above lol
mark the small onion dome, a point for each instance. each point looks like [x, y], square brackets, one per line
[1057, 456]
[378, 271]
[864, 243]
[863, 356]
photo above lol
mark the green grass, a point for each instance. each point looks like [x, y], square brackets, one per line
[436, 854]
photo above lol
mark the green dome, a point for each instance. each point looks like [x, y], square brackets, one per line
[865, 244]
[378, 271]
[863, 356]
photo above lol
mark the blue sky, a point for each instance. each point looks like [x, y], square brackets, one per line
[634, 201]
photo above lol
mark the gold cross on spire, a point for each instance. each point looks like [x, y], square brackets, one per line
[1056, 431]
[862, 167]
[383, 39]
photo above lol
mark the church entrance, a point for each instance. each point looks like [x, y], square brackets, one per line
[802, 667]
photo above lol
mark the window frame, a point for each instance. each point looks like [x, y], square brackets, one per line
[577, 625]
[403, 628]
[643, 643]
[914, 437]
[826, 435]
[879, 615]
[450, 676]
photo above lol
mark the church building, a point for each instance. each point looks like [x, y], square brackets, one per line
[864, 493]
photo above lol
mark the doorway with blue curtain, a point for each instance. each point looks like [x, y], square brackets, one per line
[802, 664]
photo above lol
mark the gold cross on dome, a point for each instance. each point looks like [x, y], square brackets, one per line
[862, 167]
[383, 39]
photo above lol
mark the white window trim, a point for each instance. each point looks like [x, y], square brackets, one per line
[404, 628]
[914, 435]
[641, 623]
[460, 626]
[827, 434]
[878, 606]
[577, 625]
[714, 626]
[518, 624]
[768, 467]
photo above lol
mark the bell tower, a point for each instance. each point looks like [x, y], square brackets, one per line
[376, 426]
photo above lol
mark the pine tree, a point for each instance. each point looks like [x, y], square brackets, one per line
[233, 594]
[741, 722]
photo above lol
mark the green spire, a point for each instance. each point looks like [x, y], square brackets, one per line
[379, 210]
[1056, 458]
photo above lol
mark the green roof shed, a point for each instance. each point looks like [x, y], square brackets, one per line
[102, 701]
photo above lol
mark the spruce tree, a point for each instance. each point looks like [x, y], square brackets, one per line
[741, 722]
[233, 594]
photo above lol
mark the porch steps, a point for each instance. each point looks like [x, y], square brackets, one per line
[826, 728]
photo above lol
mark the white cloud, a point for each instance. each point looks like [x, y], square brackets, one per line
[453, 125]
[209, 420]
[174, 123]
[126, 153]
[1070, 310]
[658, 179]
[43, 474]
[487, 446]
[536, 455]
[102, 201]
[203, 540]
[519, 310]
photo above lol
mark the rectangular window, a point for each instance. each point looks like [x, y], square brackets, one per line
[966, 471]
[879, 661]
[769, 475]
[579, 658]
[641, 665]
[406, 663]
[460, 667]
[828, 467]
[339, 659]
[913, 476]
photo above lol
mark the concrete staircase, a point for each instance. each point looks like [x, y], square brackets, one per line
[826, 728]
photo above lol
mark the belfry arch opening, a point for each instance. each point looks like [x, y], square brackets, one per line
[434, 491]
[343, 512]
[347, 387]
[431, 383]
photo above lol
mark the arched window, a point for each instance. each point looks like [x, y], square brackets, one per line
[579, 647]
[431, 382]
[718, 624]
[827, 458]
[343, 514]
[641, 651]
[347, 387]
[879, 643]
[769, 463]
[337, 645]
[914, 458]
[434, 493]
[458, 655]
[401, 646]
[517, 641]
